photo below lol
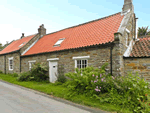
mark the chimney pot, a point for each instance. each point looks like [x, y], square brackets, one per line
[22, 35]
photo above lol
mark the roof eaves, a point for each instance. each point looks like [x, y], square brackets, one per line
[67, 49]
[10, 52]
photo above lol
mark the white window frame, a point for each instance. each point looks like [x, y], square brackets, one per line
[59, 42]
[52, 59]
[30, 64]
[12, 64]
[81, 58]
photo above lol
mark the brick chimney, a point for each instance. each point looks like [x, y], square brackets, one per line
[42, 30]
[22, 35]
[128, 4]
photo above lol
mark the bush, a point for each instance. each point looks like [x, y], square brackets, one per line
[61, 78]
[38, 73]
[126, 91]
[1, 72]
[25, 76]
[15, 75]
[84, 80]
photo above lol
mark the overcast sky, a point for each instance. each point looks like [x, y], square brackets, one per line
[25, 16]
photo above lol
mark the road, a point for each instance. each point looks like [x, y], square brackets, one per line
[14, 99]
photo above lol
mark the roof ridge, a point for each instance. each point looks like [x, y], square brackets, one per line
[25, 37]
[83, 23]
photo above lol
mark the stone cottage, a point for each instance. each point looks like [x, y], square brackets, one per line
[139, 58]
[110, 39]
[10, 57]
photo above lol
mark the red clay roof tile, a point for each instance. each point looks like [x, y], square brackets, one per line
[96, 32]
[15, 45]
[141, 48]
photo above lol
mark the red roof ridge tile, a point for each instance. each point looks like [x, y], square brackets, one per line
[25, 37]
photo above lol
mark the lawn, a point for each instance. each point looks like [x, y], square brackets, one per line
[63, 92]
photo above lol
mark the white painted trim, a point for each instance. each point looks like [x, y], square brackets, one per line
[52, 59]
[32, 61]
[129, 49]
[81, 62]
[125, 12]
[136, 28]
[81, 57]
[29, 47]
[11, 58]
[127, 31]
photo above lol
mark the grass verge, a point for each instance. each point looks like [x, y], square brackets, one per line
[62, 92]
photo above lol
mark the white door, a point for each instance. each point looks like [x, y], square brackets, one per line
[53, 71]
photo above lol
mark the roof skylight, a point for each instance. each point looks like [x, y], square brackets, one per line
[59, 42]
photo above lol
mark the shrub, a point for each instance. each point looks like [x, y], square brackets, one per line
[25, 76]
[61, 78]
[84, 80]
[39, 72]
[126, 91]
[15, 75]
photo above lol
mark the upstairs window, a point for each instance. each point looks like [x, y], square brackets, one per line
[31, 63]
[11, 63]
[59, 42]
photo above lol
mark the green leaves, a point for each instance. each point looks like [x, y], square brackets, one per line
[37, 73]
[143, 31]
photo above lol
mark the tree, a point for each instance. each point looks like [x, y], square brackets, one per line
[1, 46]
[143, 31]
[5, 45]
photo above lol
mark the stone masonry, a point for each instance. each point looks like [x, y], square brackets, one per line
[122, 40]
[16, 63]
[98, 56]
[2, 62]
[140, 65]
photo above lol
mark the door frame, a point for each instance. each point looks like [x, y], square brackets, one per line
[49, 63]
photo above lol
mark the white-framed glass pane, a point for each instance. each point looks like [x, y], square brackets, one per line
[59, 42]
[11, 64]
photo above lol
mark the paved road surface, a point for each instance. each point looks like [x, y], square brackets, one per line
[17, 100]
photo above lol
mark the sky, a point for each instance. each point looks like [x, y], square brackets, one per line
[25, 16]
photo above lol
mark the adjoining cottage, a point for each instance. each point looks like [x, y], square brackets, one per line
[139, 58]
[111, 39]
[10, 57]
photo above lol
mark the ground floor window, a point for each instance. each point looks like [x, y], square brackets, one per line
[81, 61]
[11, 63]
[31, 63]
[81, 64]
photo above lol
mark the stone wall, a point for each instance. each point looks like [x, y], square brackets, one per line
[140, 65]
[120, 46]
[16, 63]
[29, 43]
[2, 62]
[98, 56]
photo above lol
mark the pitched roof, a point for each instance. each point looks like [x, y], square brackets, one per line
[96, 32]
[16, 45]
[141, 48]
